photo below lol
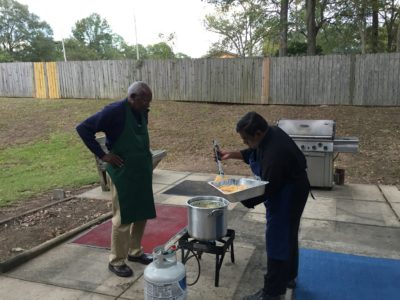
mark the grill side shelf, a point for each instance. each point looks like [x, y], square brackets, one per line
[346, 144]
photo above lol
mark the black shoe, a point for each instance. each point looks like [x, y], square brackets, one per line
[121, 271]
[144, 259]
[291, 284]
[256, 296]
[260, 295]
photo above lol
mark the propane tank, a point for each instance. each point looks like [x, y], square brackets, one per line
[165, 277]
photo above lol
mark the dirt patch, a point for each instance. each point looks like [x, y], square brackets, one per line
[30, 230]
[40, 200]
[186, 131]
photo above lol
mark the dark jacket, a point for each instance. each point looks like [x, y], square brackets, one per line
[282, 162]
[110, 120]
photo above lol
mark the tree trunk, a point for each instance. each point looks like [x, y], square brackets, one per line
[284, 28]
[362, 24]
[398, 38]
[375, 26]
[361, 27]
[311, 28]
[390, 37]
[390, 17]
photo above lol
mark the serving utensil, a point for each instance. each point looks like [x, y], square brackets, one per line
[217, 155]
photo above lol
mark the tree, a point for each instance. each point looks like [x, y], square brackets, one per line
[340, 26]
[375, 25]
[335, 26]
[129, 52]
[115, 50]
[398, 38]
[360, 8]
[76, 50]
[274, 25]
[40, 48]
[160, 51]
[5, 56]
[14, 20]
[95, 33]
[22, 35]
[283, 39]
[242, 27]
[391, 16]
[181, 55]
[169, 40]
[319, 15]
[311, 27]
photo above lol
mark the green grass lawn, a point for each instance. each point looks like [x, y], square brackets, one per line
[57, 161]
[40, 149]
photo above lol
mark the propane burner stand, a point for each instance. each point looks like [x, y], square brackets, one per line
[218, 247]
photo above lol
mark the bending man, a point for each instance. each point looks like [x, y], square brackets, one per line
[274, 157]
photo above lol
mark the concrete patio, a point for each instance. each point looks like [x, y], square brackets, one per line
[352, 218]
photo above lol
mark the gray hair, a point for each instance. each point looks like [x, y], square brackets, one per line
[139, 88]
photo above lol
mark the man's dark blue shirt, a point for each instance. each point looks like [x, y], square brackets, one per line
[111, 121]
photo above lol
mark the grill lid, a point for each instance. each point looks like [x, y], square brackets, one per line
[323, 129]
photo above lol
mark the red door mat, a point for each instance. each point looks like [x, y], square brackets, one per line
[170, 220]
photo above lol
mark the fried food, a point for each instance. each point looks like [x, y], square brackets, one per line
[229, 188]
[232, 188]
[220, 178]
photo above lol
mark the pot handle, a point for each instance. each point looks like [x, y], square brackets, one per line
[215, 212]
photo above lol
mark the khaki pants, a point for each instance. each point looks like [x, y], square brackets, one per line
[125, 238]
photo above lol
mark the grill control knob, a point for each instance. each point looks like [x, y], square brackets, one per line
[302, 147]
[314, 147]
[319, 144]
[326, 148]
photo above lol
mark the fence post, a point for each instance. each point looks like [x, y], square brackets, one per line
[265, 81]
[352, 78]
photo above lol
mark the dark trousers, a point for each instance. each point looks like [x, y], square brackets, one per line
[280, 272]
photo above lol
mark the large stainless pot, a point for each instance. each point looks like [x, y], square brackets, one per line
[207, 217]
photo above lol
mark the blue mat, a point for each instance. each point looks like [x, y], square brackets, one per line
[336, 276]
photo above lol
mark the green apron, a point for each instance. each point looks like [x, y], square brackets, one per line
[133, 180]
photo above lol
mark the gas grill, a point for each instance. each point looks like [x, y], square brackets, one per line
[316, 139]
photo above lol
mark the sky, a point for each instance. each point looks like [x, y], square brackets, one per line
[182, 17]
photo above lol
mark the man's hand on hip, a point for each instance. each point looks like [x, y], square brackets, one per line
[113, 160]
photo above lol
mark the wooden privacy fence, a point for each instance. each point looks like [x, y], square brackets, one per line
[209, 80]
[16, 80]
[372, 79]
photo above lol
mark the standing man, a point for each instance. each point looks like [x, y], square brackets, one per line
[274, 157]
[129, 168]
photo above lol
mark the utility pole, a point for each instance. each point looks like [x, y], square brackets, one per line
[63, 47]
[137, 46]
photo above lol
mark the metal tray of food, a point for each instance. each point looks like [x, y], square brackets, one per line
[236, 190]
